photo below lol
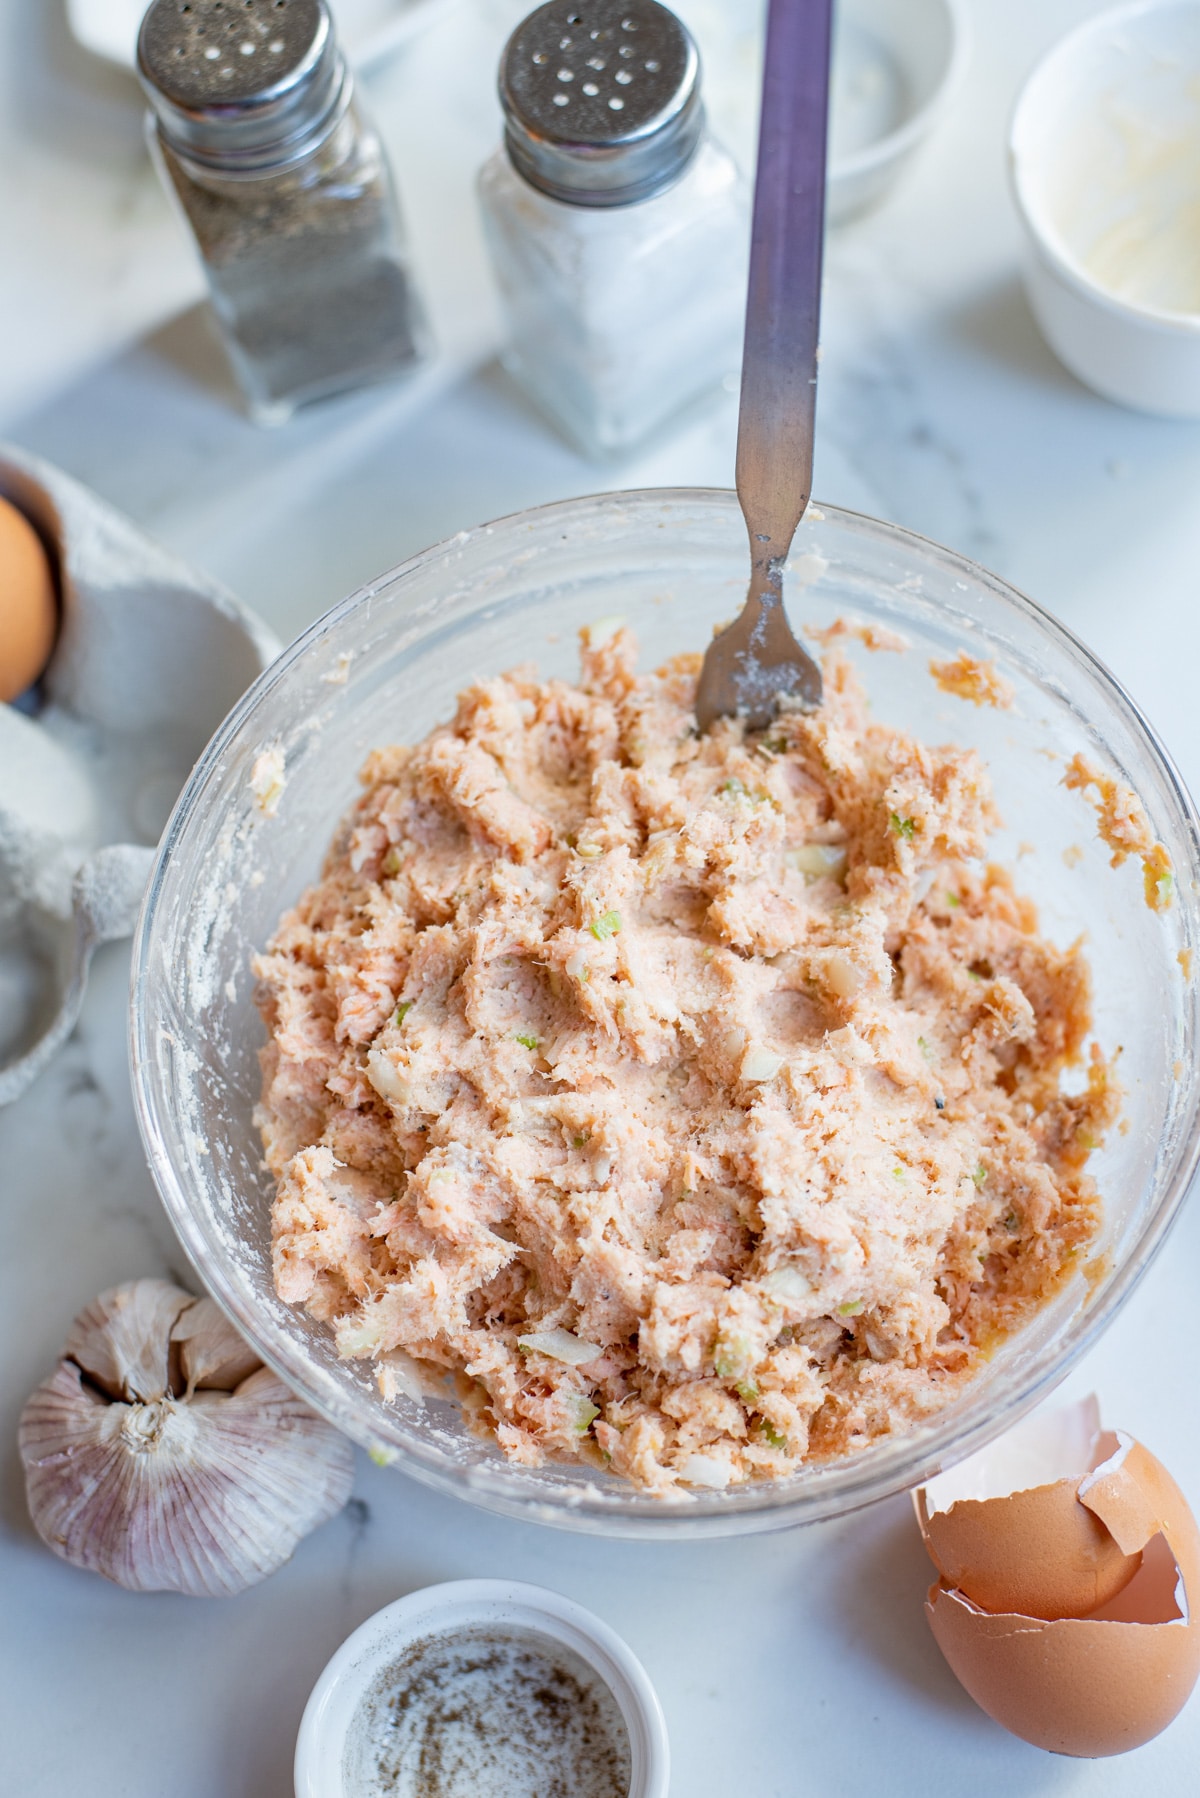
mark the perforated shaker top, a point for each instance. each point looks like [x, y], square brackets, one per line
[601, 100]
[241, 81]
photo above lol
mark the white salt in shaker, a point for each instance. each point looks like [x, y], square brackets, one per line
[260, 139]
[618, 226]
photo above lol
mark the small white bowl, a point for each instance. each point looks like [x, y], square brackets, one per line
[1104, 155]
[334, 1705]
[896, 64]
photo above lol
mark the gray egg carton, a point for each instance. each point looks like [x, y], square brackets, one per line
[150, 656]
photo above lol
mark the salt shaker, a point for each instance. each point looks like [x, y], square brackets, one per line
[259, 136]
[617, 225]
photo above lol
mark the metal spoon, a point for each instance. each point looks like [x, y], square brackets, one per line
[757, 658]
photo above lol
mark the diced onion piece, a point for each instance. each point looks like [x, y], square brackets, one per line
[386, 1080]
[815, 860]
[760, 1064]
[842, 977]
[787, 1283]
[359, 1335]
[589, 851]
[397, 1373]
[560, 1345]
[706, 1470]
[602, 630]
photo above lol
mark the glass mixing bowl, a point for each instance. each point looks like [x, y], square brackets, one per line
[386, 665]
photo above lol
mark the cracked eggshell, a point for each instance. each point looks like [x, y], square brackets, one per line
[1031, 1546]
[1113, 1679]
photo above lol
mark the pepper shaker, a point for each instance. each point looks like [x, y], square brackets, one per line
[259, 137]
[618, 226]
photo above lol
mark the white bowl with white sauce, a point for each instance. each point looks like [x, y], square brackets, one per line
[1104, 156]
[896, 66]
[483, 1689]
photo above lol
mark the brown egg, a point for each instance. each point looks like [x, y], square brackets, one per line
[28, 604]
[1085, 1683]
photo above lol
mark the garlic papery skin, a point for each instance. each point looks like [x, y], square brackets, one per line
[138, 1466]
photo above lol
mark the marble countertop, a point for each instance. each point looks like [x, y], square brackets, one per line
[786, 1664]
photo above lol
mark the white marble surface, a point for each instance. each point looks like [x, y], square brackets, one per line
[786, 1664]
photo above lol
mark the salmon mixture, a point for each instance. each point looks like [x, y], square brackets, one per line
[692, 1104]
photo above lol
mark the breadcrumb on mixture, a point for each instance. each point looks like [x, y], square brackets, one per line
[967, 677]
[1122, 825]
[693, 1101]
[876, 637]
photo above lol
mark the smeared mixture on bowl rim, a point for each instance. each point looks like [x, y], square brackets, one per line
[694, 1103]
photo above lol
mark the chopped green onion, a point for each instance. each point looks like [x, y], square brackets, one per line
[747, 1391]
[953, 901]
[771, 1435]
[737, 789]
[852, 1308]
[604, 927]
[527, 1042]
[401, 1012]
[581, 1412]
[732, 1358]
[980, 1176]
[903, 827]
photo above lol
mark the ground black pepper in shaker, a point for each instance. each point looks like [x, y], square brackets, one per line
[259, 136]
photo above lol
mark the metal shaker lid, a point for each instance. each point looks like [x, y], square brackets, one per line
[601, 100]
[242, 83]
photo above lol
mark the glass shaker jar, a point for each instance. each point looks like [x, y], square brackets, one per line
[618, 227]
[259, 137]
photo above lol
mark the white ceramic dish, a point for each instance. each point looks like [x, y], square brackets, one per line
[369, 30]
[1104, 155]
[896, 65]
[331, 1712]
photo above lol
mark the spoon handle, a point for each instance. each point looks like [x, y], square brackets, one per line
[783, 309]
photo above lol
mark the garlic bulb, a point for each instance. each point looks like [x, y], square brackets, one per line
[164, 1455]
